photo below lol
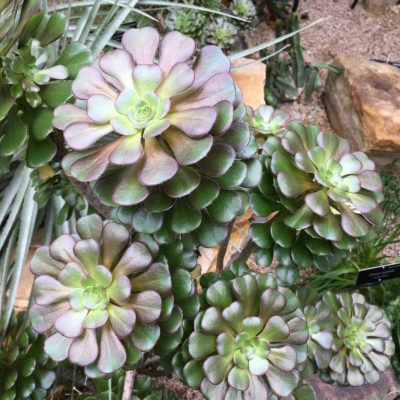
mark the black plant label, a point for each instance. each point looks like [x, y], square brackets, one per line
[375, 275]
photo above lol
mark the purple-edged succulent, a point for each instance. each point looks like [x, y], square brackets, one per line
[139, 120]
[101, 293]
[249, 340]
[154, 133]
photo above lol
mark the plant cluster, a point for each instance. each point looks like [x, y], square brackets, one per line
[212, 29]
[159, 142]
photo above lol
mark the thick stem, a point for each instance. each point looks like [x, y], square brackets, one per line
[86, 192]
[222, 249]
[128, 385]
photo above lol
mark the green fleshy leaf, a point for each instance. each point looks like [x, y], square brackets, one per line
[145, 337]
[239, 378]
[42, 123]
[287, 274]
[301, 219]
[182, 284]
[282, 234]
[56, 93]
[40, 153]
[204, 195]
[156, 278]
[261, 235]
[6, 102]
[201, 345]
[234, 177]
[328, 228]
[112, 353]
[146, 222]
[282, 383]
[14, 134]
[218, 160]
[193, 373]
[172, 323]
[75, 56]
[184, 182]
[318, 202]
[184, 219]
[211, 233]
[219, 294]
[226, 206]
[261, 206]
[54, 29]
[263, 257]
[300, 253]
[158, 201]
[254, 173]
[147, 305]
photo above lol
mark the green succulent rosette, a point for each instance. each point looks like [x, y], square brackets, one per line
[221, 33]
[187, 21]
[102, 294]
[249, 340]
[244, 9]
[26, 370]
[362, 342]
[324, 197]
[267, 120]
[31, 85]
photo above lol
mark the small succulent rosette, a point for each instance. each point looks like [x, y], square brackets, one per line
[362, 342]
[101, 294]
[26, 371]
[249, 340]
[267, 120]
[324, 198]
[33, 84]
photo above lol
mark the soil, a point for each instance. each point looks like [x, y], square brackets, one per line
[354, 32]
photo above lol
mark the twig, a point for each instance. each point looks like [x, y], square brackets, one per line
[244, 253]
[128, 385]
[86, 192]
[222, 249]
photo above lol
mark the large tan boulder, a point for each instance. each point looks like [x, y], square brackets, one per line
[363, 105]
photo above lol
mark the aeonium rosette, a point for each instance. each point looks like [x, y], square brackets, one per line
[249, 340]
[140, 120]
[101, 294]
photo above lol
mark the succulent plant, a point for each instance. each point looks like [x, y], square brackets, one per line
[101, 293]
[362, 343]
[248, 340]
[172, 140]
[25, 369]
[267, 121]
[221, 33]
[324, 197]
[31, 84]
[186, 21]
[244, 9]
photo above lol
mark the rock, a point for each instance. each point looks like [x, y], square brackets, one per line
[363, 105]
[386, 388]
[250, 80]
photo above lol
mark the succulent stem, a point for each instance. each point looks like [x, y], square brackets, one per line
[84, 190]
[128, 385]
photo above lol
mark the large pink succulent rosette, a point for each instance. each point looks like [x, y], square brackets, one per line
[147, 109]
